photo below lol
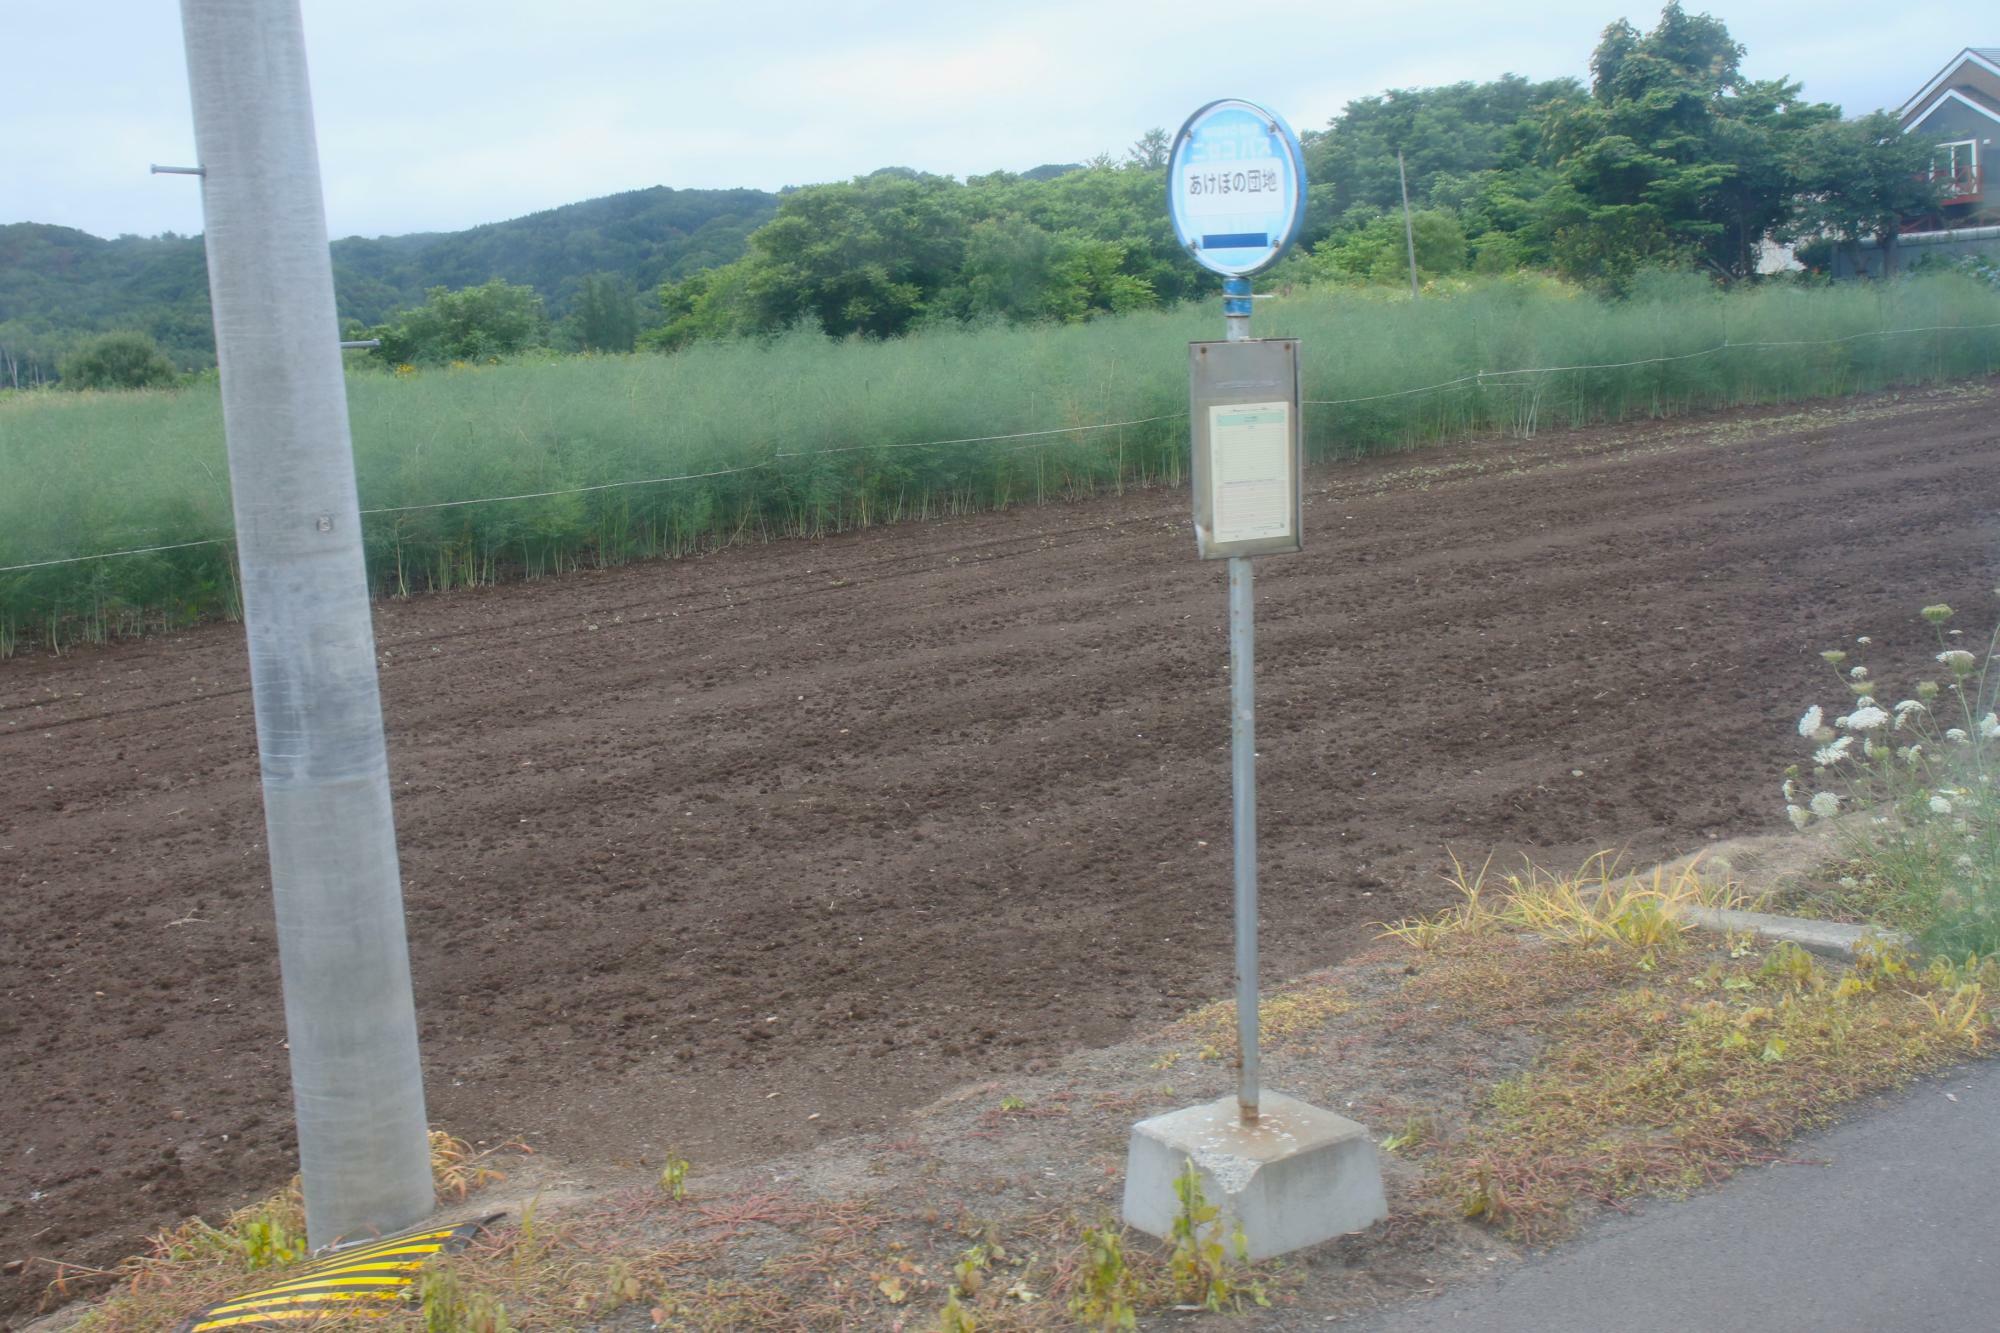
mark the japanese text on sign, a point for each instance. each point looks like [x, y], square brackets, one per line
[1225, 190]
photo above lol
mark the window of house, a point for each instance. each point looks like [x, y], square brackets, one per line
[1957, 162]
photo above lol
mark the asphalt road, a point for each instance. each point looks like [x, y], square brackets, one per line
[1896, 1234]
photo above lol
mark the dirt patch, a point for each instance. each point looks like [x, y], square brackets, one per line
[735, 855]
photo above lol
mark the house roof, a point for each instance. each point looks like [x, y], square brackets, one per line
[1986, 57]
[1988, 107]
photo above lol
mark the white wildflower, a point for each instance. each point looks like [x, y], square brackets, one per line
[1858, 673]
[1955, 735]
[1989, 726]
[1810, 723]
[1864, 641]
[1866, 719]
[1940, 806]
[1914, 753]
[1791, 791]
[1799, 816]
[1825, 804]
[1956, 660]
[1829, 755]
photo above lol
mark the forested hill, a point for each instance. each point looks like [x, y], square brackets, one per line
[58, 285]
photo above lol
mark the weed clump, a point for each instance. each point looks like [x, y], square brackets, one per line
[1673, 1085]
[1916, 780]
[1596, 905]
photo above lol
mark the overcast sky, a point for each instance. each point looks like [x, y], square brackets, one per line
[440, 114]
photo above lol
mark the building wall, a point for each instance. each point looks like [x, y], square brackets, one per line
[1945, 246]
[1956, 120]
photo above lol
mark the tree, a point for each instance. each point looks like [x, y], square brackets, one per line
[1674, 157]
[1864, 178]
[1378, 253]
[121, 360]
[473, 324]
[1449, 135]
[864, 256]
[1151, 151]
[606, 314]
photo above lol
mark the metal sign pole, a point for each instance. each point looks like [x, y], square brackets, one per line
[1243, 775]
[1243, 761]
[1282, 1172]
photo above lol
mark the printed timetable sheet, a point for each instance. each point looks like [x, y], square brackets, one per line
[1250, 475]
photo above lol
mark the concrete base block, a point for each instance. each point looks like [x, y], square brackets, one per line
[1296, 1177]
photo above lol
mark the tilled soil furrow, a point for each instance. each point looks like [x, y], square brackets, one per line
[851, 821]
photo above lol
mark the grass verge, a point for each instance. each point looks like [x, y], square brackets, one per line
[1541, 1051]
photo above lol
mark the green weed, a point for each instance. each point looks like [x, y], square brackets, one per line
[1105, 1290]
[1203, 1268]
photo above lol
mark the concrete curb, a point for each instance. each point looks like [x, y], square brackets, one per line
[1759, 864]
[1832, 938]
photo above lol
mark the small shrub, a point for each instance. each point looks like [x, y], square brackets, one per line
[119, 361]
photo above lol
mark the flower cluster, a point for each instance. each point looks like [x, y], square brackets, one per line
[1917, 780]
[1846, 751]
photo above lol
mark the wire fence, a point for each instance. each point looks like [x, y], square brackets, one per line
[1477, 378]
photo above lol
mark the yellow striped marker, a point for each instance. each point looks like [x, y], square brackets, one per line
[342, 1283]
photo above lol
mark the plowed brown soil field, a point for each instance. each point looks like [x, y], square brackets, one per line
[697, 850]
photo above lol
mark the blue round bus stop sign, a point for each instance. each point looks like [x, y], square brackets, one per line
[1236, 187]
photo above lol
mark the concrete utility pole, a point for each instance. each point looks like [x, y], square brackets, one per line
[1409, 231]
[356, 1082]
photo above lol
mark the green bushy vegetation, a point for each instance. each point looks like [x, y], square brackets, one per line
[1670, 156]
[806, 435]
[59, 286]
[118, 361]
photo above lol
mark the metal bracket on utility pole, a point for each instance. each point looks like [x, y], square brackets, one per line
[158, 170]
[354, 344]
